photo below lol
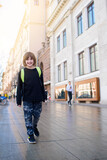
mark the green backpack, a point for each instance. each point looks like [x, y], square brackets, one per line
[22, 73]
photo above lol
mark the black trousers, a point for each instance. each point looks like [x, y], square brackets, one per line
[70, 96]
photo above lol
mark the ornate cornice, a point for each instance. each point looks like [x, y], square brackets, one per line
[56, 11]
[64, 16]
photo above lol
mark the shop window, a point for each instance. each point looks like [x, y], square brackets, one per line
[87, 90]
[60, 93]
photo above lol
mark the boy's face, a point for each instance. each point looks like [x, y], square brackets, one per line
[29, 62]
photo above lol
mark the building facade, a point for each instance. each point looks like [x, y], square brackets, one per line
[78, 46]
[30, 37]
[44, 63]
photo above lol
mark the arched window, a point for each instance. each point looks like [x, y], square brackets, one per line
[41, 66]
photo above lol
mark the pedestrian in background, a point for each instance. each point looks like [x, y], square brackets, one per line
[33, 93]
[69, 90]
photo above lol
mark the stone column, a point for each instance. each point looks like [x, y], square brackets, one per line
[70, 65]
[70, 49]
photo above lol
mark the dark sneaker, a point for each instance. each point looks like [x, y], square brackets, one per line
[31, 139]
[36, 132]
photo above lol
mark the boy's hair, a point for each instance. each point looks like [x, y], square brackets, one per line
[26, 56]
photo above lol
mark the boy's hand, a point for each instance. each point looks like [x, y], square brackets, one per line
[19, 106]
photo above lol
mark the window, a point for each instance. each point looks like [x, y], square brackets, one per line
[41, 66]
[61, 93]
[58, 43]
[65, 70]
[64, 38]
[79, 25]
[36, 2]
[87, 90]
[91, 16]
[81, 63]
[59, 73]
[94, 58]
[59, 1]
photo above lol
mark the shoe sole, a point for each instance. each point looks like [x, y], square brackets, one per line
[31, 142]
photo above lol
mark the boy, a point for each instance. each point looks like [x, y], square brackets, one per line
[32, 91]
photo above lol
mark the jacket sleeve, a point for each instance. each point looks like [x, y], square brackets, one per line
[19, 89]
[42, 85]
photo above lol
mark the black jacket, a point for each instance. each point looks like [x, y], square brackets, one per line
[32, 90]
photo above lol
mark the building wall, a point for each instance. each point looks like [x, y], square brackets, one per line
[36, 25]
[66, 17]
[63, 15]
[102, 40]
[82, 42]
[44, 58]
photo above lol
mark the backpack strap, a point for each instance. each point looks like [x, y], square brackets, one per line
[39, 71]
[22, 73]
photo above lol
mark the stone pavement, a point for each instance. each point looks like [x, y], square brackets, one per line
[78, 132]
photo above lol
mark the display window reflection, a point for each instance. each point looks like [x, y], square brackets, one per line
[61, 93]
[87, 90]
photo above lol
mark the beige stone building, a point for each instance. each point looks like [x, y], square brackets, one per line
[78, 46]
[31, 37]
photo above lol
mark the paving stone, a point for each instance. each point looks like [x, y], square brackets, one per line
[66, 133]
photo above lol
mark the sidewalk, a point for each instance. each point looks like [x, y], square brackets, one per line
[83, 104]
[78, 132]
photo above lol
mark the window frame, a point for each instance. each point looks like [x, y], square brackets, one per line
[59, 73]
[58, 44]
[92, 13]
[64, 37]
[81, 73]
[65, 70]
[79, 19]
[95, 57]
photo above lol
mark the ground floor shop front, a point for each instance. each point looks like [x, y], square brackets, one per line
[88, 90]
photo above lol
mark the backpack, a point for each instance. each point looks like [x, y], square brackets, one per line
[22, 73]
